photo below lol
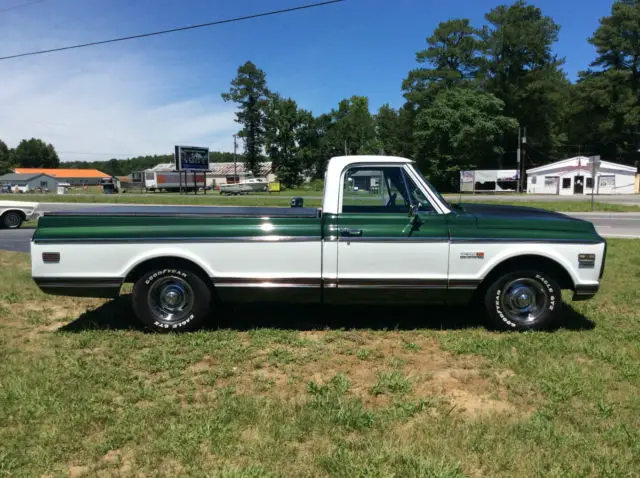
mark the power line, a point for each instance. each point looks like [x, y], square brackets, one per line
[543, 154]
[21, 5]
[172, 30]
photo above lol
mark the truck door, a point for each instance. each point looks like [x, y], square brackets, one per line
[391, 241]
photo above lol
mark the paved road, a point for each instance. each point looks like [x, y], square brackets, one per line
[621, 225]
[15, 239]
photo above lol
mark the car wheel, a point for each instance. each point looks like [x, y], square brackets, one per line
[12, 220]
[525, 300]
[172, 298]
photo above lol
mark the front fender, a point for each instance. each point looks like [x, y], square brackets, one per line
[466, 264]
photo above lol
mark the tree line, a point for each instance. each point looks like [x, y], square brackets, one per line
[35, 153]
[471, 90]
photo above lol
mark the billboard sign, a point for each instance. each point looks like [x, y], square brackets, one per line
[191, 158]
[466, 176]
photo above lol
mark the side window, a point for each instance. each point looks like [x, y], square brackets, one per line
[382, 190]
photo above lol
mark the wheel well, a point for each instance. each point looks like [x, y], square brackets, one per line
[538, 263]
[141, 268]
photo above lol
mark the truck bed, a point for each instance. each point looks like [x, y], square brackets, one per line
[202, 211]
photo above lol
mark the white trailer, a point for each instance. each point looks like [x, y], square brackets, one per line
[171, 180]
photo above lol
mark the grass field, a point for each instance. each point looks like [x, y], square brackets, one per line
[283, 200]
[314, 392]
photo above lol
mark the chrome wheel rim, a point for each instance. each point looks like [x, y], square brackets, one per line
[12, 220]
[524, 300]
[171, 299]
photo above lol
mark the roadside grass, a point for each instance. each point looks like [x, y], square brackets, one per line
[311, 199]
[319, 392]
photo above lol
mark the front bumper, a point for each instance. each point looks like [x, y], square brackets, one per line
[585, 292]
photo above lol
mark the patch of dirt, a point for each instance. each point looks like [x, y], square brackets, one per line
[467, 390]
[76, 471]
[265, 381]
[48, 315]
[204, 365]
[465, 382]
[118, 460]
[250, 435]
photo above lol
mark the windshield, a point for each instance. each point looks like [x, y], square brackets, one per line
[433, 190]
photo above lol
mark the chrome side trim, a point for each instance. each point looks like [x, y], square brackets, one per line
[460, 284]
[394, 239]
[346, 283]
[266, 282]
[151, 240]
[392, 283]
[503, 240]
[464, 240]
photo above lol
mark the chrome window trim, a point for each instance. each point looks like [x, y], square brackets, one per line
[433, 199]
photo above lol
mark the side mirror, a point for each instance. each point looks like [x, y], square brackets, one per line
[413, 209]
[297, 202]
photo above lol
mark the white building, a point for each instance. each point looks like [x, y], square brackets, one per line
[574, 176]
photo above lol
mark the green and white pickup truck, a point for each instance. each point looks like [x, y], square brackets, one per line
[383, 234]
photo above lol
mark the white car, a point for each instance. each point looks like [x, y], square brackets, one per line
[14, 213]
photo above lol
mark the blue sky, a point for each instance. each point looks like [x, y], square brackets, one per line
[142, 96]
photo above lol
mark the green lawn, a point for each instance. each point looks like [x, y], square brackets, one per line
[309, 392]
[283, 200]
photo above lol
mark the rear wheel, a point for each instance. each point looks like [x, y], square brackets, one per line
[525, 300]
[12, 220]
[172, 298]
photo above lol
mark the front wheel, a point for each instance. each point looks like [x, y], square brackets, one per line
[525, 300]
[172, 299]
[12, 220]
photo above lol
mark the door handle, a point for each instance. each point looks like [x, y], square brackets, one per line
[351, 232]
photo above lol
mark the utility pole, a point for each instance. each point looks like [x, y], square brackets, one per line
[595, 162]
[346, 151]
[235, 160]
[523, 158]
[519, 158]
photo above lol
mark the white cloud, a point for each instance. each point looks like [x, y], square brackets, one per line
[108, 104]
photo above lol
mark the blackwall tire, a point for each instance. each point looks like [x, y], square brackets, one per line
[12, 220]
[525, 300]
[172, 299]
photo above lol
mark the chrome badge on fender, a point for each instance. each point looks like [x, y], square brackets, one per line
[472, 255]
